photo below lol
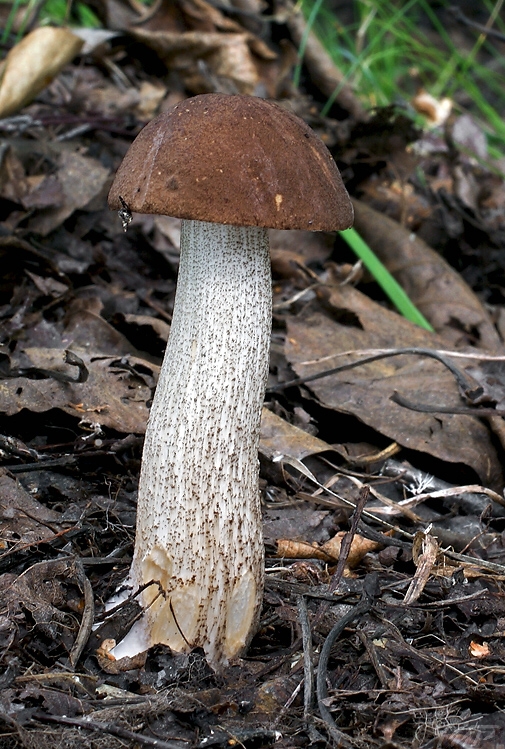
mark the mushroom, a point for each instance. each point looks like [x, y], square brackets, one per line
[230, 166]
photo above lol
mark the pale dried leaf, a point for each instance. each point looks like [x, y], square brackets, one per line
[467, 134]
[32, 64]
[360, 546]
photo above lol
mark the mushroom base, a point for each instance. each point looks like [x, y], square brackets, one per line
[198, 519]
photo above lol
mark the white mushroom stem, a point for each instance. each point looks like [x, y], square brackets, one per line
[198, 518]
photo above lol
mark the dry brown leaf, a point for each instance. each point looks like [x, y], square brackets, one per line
[195, 55]
[114, 395]
[435, 288]
[14, 184]
[278, 437]
[289, 549]
[366, 391]
[360, 546]
[81, 178]
[32, 64]
[327, 552]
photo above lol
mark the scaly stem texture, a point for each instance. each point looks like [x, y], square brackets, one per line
[199, 520]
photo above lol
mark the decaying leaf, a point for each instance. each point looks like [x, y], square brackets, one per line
[197, 55]
[329, 551]
[80, 179]
[23, 520]
[278, 437]
[41, 590]
[114, 395]
[436, 289]
[366, 391]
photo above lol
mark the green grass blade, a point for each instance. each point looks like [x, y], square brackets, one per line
[391, 288]
[10, 21]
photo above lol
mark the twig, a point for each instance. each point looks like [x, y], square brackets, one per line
[485, 30]
[48, 540]
[38, 373]
[483, 564]
[88, 615]
[453, 491]
[112, 729]
[308, 662]
[428, 408]
[369, 592]
[374, 660]
[302, 468]
[345, 546]
[474, 355]
[466, 387]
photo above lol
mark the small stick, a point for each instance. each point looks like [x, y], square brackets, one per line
[364, 605]
[112, 729]
[466, 387]
[308, 663]
[345, 548]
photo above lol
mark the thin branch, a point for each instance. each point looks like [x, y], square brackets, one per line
[369, 592]
[112, 729]
[466, 386]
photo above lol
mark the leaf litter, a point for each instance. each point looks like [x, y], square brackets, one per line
[382, 483]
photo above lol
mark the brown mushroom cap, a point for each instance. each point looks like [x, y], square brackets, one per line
[235, 160]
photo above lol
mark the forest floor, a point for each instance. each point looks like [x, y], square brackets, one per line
[398, 641]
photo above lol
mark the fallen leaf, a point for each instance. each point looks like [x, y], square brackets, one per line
[32, 64]
[312, 343]
[197, 56]
[23, 520]
[81, 179]
[479, 650]
[329, 551]
[115, 394]
[278, 437]
[436, 289]
[360, 547]
[469, 136]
